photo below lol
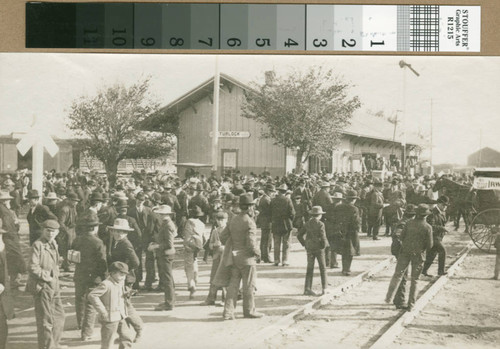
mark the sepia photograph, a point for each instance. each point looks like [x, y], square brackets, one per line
[249, 201]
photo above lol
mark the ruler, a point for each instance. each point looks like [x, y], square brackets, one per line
[256, 27]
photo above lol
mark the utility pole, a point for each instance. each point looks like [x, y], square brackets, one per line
[431, 134]
[215, 116]
[403, 65]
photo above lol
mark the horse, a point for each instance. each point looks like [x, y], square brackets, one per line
[460, 200]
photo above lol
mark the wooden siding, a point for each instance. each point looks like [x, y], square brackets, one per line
[255, 154]
[194, 142]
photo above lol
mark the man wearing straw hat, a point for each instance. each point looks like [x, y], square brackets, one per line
[16, 263]
[416, 238]
[163, 247]
[242, 233]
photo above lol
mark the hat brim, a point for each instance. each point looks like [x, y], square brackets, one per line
[315, 213]
[114, 227]
[352, 197]
[88, 224]
[163, 212]
[5, 198]
[33, 197]
[3, 231]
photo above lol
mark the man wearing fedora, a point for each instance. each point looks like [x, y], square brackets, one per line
[416, 238]
[199, 199]
[43, 284]
[313, 237]
[437, 219]
[322, 197]
[282, 214]
[37, 214]
[375, 206]
[121, 249]
[89, 272]
[264, 220]
[242, 233]
[15, 258]
[6, 302]
[163, 247]
[331, 217]
[349, 225]
[67, 232]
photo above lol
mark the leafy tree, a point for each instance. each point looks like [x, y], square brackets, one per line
[109, 125]
[306, 111]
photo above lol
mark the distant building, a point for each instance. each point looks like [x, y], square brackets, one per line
[11, 160]
[240, 146]
[485, 157]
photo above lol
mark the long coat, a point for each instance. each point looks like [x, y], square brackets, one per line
[7, 305]
[43, 267]
[123, 251]
[35, 219]
[243, 234]
[92, 267]
[282, 214]
[15, 258]
[349, 224]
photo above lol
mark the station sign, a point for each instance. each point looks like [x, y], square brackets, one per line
[232, 134]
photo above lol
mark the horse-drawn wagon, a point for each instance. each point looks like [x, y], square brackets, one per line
[485, 208]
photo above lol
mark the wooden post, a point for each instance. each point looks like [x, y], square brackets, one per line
[215, 116]
[37, 167]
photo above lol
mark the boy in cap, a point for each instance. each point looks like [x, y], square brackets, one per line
[43, 284]
[194, 239]
[109, 300]
[315, 242]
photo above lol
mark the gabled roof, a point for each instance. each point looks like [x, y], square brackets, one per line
[362, 125]
[488, 149]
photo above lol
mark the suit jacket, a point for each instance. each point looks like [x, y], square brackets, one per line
[9, 221]
[142, 218]
[43, 266]
[313, 236]
[165, 237]
[243, 233]
[109, 300]
[264, 208]
[5, 298]
[35, 218]
[437, 220]
[375, 203]
[92, 267]
[282, 214]
[123, 251]
[349, 225]
[323, 199]
[67, 220]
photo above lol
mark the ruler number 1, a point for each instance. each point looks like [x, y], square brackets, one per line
[351, 43]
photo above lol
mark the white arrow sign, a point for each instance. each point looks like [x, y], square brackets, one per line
[37, 138]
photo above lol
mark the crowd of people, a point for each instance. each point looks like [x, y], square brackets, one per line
[120, 238]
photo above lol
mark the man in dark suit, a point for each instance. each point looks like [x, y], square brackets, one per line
[15, 259]
[322, 197]
[264, 221]
[437, 219]
[349, 225]
[89, 273]
[375, 201]
[200, 200]
[143, 216]
[282, 214]
[243, 233]
[6, 302]
[67, 221]
[121, 250]
[37, 214]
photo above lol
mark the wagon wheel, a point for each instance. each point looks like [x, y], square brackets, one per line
[483, 228]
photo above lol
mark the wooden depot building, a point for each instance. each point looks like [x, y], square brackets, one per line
[240, 146]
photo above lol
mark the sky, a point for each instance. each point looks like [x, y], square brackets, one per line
[461, 93]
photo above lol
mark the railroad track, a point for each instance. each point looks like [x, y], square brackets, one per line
[353, 314]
